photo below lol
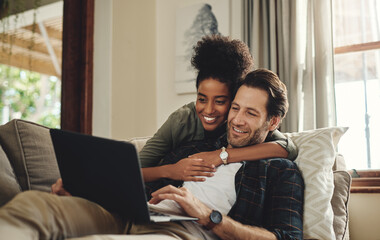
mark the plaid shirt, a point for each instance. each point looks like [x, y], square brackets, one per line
[269, 192]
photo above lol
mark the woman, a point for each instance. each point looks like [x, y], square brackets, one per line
[221, 63]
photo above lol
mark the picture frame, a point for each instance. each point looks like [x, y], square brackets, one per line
[192, 23]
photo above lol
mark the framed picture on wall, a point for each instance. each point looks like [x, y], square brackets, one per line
[194, 22]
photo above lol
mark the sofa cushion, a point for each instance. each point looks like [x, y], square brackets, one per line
[316, 156]
[139, 142]
[340, 163]
[29, 148]
[339, 203]
[8, 183]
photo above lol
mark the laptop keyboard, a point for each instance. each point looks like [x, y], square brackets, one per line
[154, 213]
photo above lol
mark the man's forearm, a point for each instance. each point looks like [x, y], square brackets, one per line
[231, 229]
[256, 152]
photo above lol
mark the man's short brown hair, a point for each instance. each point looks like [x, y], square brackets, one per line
[268, 81]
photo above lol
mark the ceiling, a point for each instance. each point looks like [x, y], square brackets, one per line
[34, 46]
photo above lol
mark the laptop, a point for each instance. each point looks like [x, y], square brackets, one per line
[106, 172]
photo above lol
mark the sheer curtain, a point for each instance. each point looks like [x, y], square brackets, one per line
[294, 39]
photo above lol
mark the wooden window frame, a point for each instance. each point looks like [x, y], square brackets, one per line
[357, 47]
[363, 181]
[77, 65]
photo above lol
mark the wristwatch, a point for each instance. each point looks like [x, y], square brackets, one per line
[224, 155]
[215, 218]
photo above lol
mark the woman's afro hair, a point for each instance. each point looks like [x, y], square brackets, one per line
[223, 58]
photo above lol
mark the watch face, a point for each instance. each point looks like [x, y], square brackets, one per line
[216, 217]
[223, 155]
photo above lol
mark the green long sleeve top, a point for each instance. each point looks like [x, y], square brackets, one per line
[184, 125]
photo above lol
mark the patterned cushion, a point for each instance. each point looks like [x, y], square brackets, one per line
[316, 155]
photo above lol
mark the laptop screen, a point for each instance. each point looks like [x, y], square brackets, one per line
[102, 170]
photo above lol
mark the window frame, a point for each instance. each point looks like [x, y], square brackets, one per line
[77, 66]
[363, 181]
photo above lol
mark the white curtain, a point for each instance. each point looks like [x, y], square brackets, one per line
[294, 39]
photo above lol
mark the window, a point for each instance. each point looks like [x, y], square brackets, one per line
[30, 62]
[77, 65]
[357, 80]
[29, 95]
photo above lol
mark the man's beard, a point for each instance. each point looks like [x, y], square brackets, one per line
[258, 137]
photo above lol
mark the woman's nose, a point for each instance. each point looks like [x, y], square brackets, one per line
[209, 108]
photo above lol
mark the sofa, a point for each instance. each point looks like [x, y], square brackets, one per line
[27, 162]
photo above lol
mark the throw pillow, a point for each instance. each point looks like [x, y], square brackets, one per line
[30, 150]
[316, 155]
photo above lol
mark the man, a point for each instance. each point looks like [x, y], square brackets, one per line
[258, 199]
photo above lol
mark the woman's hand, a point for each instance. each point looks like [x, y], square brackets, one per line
[209, 157]
[57, 188]
[191, 169]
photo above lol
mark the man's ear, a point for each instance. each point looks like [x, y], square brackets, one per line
[274, 122]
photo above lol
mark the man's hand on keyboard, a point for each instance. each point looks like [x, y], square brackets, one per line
[190, 204]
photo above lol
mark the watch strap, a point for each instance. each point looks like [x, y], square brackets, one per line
[210, 225]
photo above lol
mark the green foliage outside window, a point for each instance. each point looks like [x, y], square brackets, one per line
[30, 96]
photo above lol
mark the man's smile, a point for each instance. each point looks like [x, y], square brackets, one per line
[238, 130]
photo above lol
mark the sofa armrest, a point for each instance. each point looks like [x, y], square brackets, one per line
[339, 203]
[339, 164]
[139, 142]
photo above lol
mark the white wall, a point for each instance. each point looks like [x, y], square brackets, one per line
[133, 68]
[102, 68]
[124, 68]
[167, 99]
[364, 210]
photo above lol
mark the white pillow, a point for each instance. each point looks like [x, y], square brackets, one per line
[316, 155]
